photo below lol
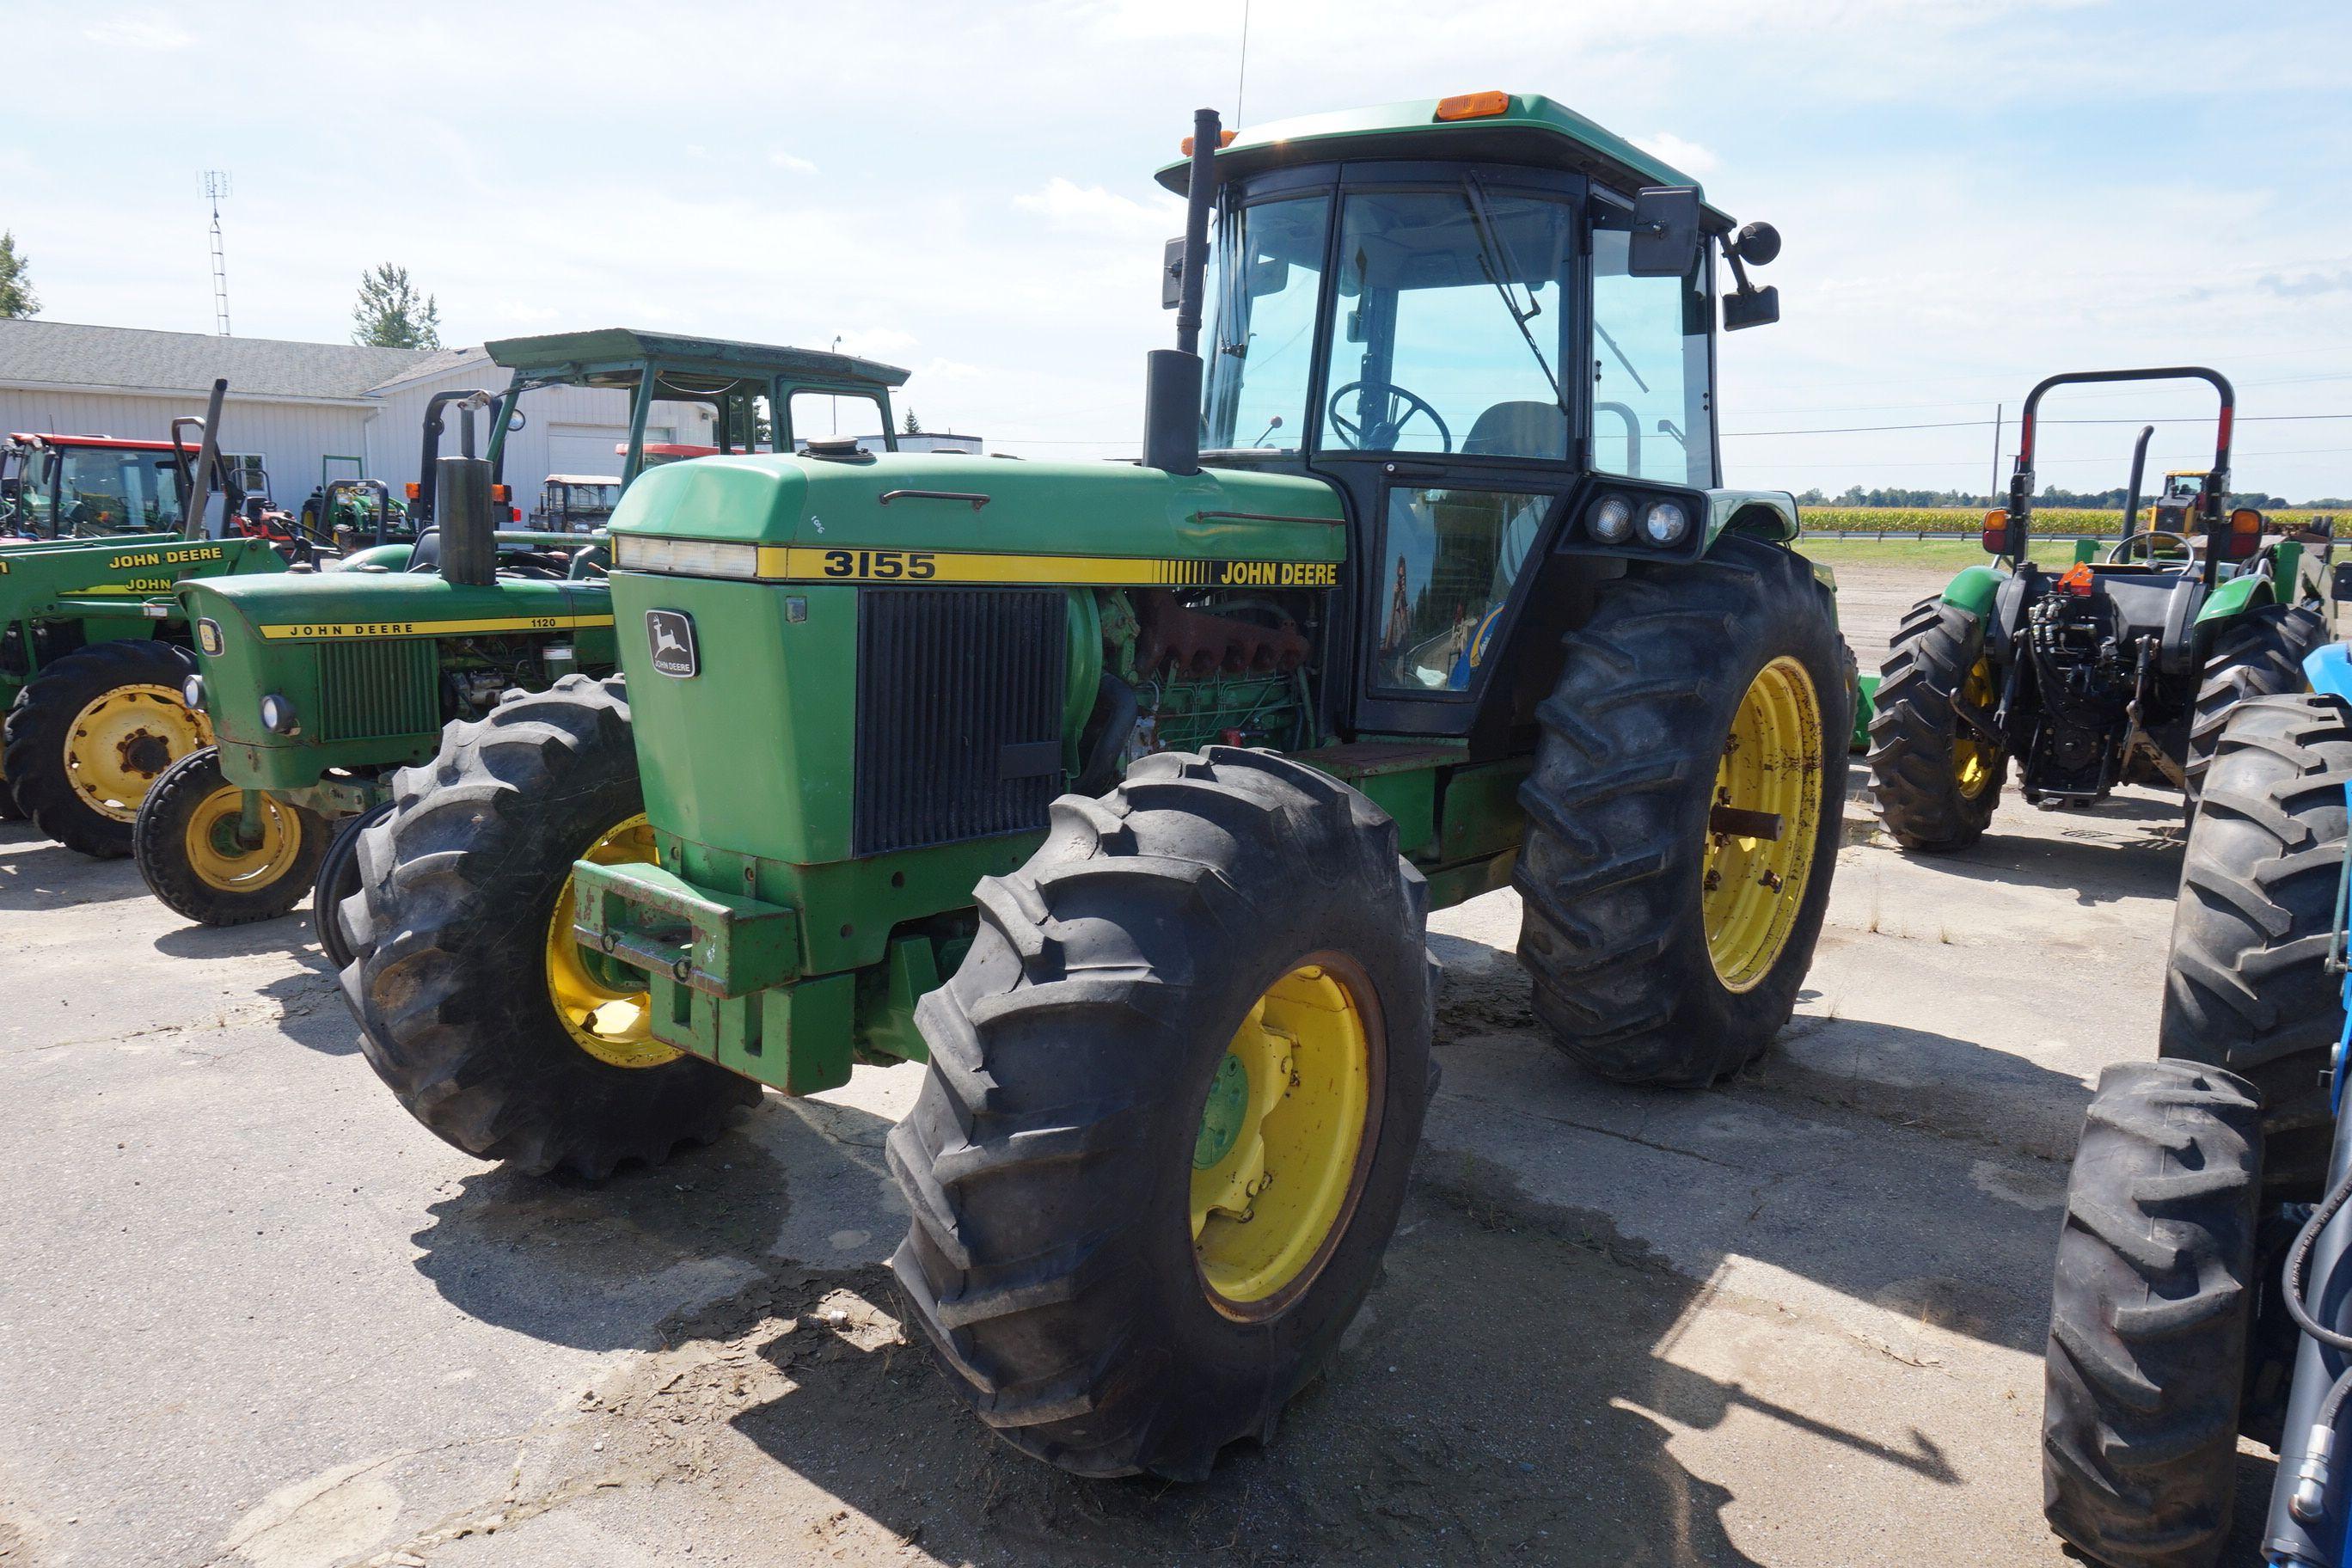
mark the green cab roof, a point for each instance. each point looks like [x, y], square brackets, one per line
[1533, 130]
[610, 356]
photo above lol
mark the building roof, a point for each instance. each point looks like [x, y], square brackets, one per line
[63, 353]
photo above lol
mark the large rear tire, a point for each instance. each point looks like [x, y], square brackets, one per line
[2246, 985]
[1665, 946]
[189, 855]
[88, 737]
[1173, 1094]
[1935, 780]
[338, 879]
[2260, 655]
[2149, 1315]
[496, 1030]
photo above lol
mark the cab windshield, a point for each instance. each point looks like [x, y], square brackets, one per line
[100, 489]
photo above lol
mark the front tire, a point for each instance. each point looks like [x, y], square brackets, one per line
[1174, 1092]
[490, 1025]
[187, 852]
[2149, 1315]
[2246, 985]
[1666, 946]
[88, 737]
[2260, 655]
[1936, 780]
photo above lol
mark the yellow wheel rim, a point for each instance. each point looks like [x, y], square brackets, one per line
[1284, 1135]
[607, 1016]
[1975, 764]
[121, 740]
[225, 865]
[1752, 886]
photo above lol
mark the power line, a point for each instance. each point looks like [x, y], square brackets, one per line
[1987, 424]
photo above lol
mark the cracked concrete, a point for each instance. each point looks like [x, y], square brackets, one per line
[256, 1318]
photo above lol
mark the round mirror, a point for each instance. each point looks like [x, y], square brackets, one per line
[1759, 243]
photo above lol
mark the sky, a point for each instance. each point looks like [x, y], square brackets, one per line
[1971, 193]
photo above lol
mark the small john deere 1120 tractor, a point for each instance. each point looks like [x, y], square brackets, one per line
[1119, 795]
[2114, 671]
[318, 686]
[2203, 1287]
[92, 645]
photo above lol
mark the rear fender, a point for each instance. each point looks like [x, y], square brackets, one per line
[2235, 597]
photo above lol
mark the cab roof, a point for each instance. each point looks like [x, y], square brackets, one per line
[612, 356]
[1530, 130]
[123, 443]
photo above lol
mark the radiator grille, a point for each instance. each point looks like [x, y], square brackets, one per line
[377, 688]
[960, 697]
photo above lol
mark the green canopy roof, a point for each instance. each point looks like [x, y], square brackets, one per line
[613, 356]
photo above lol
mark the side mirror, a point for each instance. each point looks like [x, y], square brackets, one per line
[1172, 274]
[1664, 242]
[1751, 307]
[1757, 244]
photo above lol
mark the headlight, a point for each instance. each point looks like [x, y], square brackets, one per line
[192, 692]
[278, 715]
[1666, 523]
[685, 557]
[1610, 521]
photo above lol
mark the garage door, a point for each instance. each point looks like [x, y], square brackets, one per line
[588, 449]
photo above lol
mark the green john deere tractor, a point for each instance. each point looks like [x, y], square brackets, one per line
[93, 648]
[2118, 670]
[318, 686]
[1119, 795]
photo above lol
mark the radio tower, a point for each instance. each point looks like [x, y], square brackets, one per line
[216, 187]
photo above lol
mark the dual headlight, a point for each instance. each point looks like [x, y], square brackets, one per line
[685, 557]
[1613, 520]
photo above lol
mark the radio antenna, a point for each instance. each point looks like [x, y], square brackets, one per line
[217, 189]
[1241, 81]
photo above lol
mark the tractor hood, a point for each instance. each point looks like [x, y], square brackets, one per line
[922, 501]
[334, 606]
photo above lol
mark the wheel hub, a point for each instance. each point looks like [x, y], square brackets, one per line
[122, 739]
[604, 1006]
[220, 857]
[1762, 825]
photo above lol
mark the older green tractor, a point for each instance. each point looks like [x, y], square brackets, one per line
[318, 686]
[93, 648]
[2114, 671]
[1119, 795]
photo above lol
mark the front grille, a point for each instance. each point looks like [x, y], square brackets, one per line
[960, 694]
[378, 688]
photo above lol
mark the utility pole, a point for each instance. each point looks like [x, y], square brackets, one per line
[217, 188]
[835, 401]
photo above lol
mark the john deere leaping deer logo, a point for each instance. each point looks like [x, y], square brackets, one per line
[671, 633]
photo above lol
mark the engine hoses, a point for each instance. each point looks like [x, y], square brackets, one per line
[2308, 1502]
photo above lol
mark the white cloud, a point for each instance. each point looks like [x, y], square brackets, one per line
[1689, 156]
[1071, 207]
[792, 162]
[142, 30]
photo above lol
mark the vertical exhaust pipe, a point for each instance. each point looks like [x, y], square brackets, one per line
[2139, 472]
[1171, 383]
[469, 544]
[200, 482]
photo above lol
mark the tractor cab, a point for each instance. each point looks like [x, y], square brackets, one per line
[63, 486]
[2179, 504]
[1488, 324]
[576, 503]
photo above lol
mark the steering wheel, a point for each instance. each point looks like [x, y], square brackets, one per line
[1386, 428]
[2145, 540]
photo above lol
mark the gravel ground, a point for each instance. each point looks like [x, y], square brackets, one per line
[256, 1316]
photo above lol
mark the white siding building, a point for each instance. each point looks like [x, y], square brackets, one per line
[309, 412]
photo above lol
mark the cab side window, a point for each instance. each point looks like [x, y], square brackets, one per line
[1652, 414]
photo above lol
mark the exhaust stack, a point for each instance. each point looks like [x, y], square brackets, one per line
[1171, 383]
[469, 545]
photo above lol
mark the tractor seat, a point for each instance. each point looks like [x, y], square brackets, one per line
[1519, 429]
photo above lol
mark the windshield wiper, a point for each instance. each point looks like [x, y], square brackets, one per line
[1495, 261]
[1614, 348]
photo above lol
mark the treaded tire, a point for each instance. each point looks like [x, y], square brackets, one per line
[1912, 775]
[32, 739]
[1618, 803]
[2260, 655]
[9, 810]
[2148, 1317]
[2246, 985]
[1046, 1162]
[338, 879]
[448, 936]
[159, 844]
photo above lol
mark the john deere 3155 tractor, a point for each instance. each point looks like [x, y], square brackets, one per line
[1119, 795]
[318, 686]
[2119, 670]
[92, 645]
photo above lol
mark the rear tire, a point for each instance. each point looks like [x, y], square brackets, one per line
[2246, 985]
[2148, 1317]
[338, 880]
[1613, 877]
[2260, 655]
[1050, 1161]
[82, 805]
[459, 892]
[186, 864]
[1916, 760]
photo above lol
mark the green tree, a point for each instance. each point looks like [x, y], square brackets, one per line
[914, 426]
[390, 315]
[17, 297]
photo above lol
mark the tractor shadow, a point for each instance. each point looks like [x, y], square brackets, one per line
[37, 874]
[2091, 864]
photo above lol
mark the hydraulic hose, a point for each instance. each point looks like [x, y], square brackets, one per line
[2306, 1526]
